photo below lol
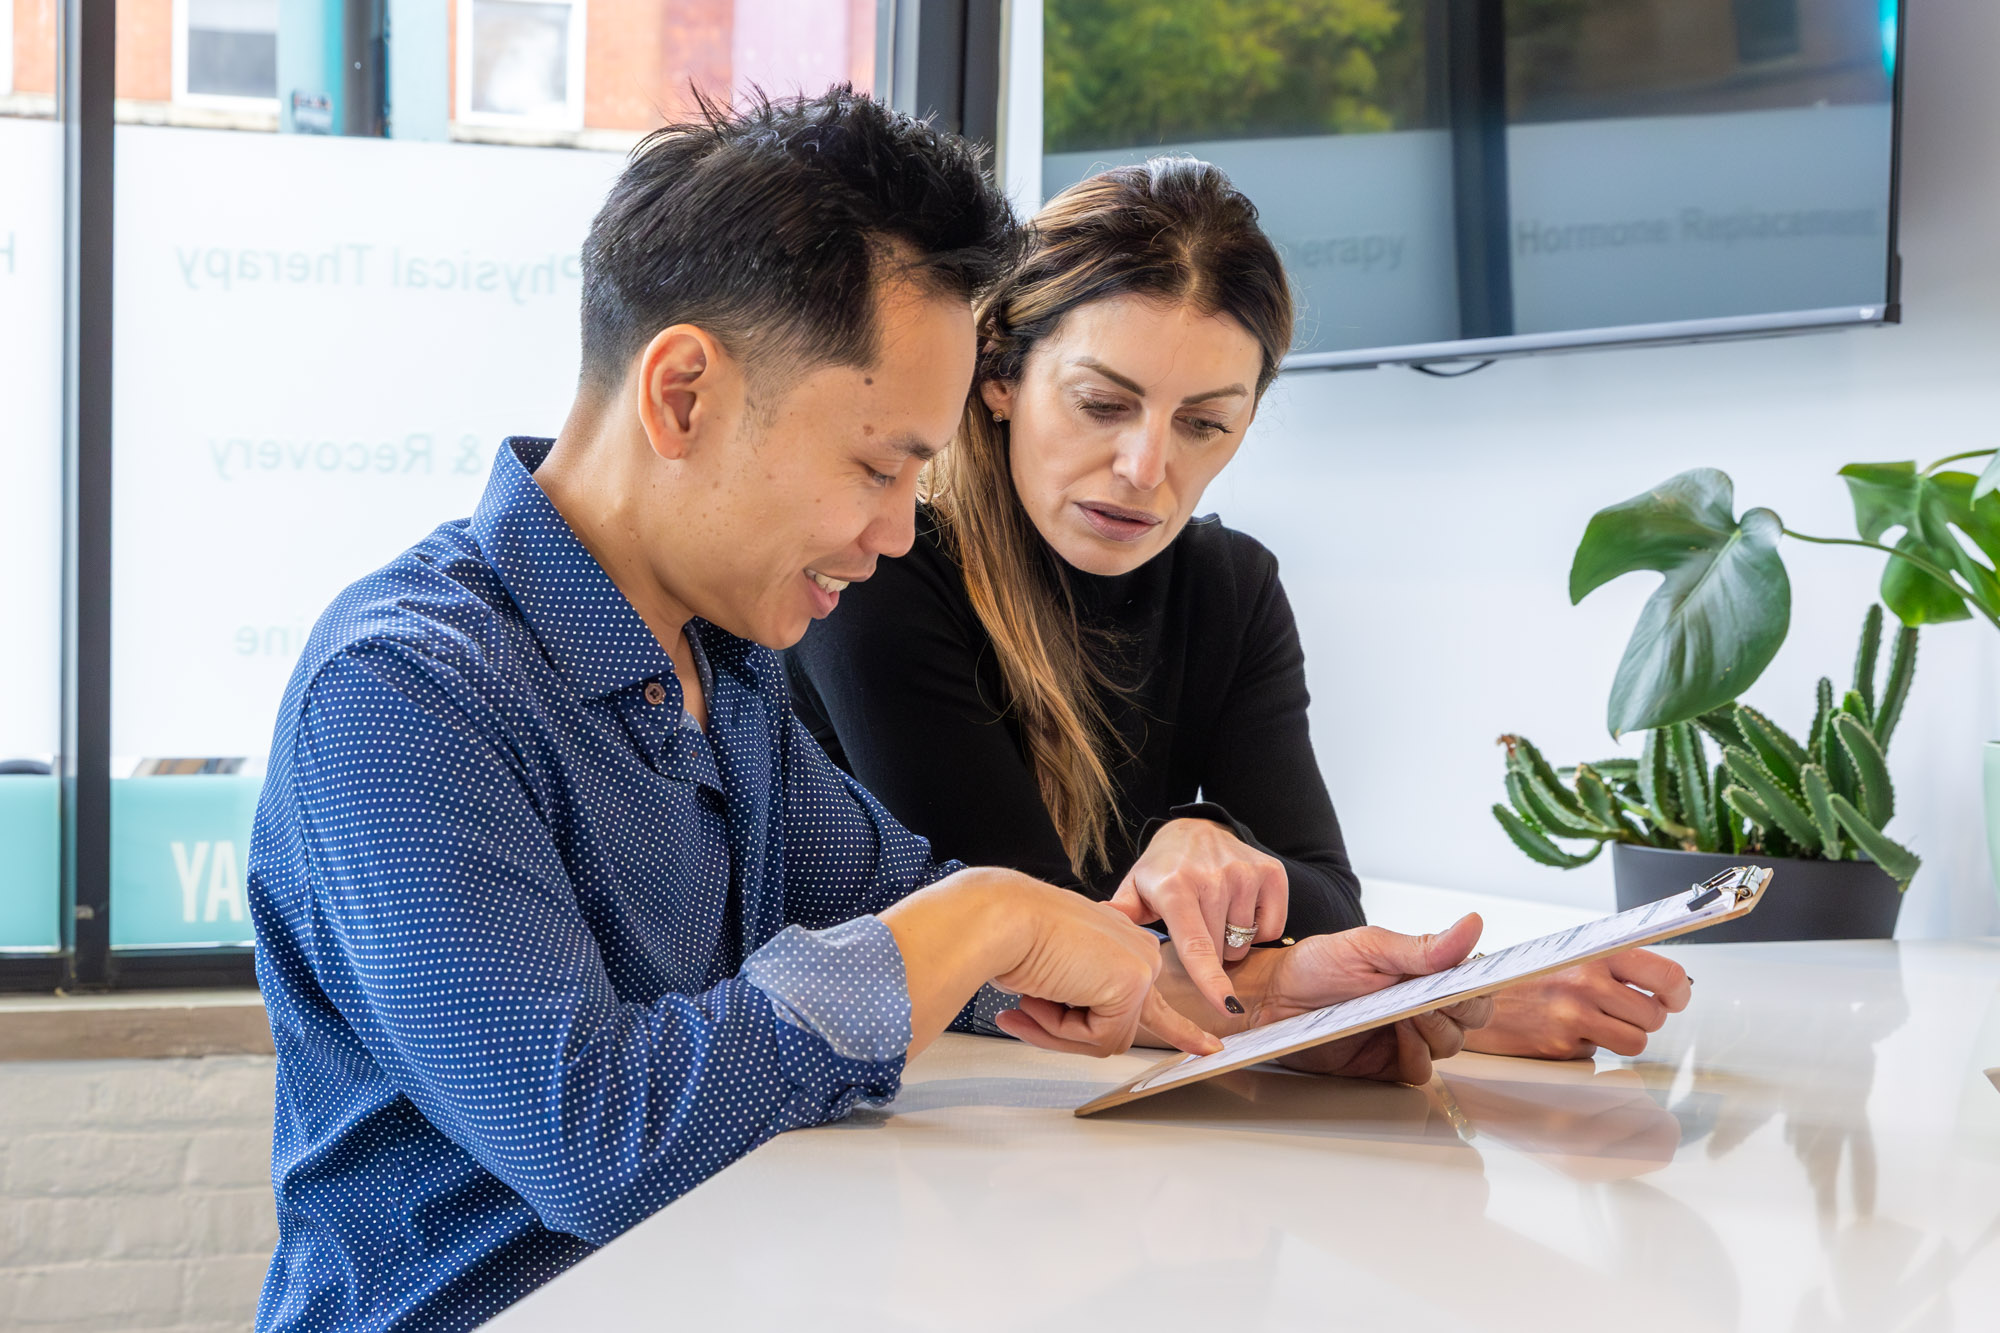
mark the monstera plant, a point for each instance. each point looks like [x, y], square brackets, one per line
[1719, 616]
[1724, 606]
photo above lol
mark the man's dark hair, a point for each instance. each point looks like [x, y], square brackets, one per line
[769, 225]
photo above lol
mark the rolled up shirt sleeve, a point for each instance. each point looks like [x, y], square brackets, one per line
[860, 853]
[447, 932]
[844, 984]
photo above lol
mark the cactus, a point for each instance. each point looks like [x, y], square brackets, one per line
[1822, 716]
[1902, 668]
[1698, 795]
[1864, 657]
[1826, 799]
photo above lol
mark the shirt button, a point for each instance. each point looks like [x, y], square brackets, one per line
[656, 693]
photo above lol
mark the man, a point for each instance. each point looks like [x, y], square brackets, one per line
[559, 911]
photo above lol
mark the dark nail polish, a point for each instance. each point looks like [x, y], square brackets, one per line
[1232, 1004]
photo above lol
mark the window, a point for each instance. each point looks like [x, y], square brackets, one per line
[322, 337]
[329, 337]
[784, 47]
[1433, 173]
[226, 49]
[31, 334]
[521, 62]
[1287, 98]
[1766, 30]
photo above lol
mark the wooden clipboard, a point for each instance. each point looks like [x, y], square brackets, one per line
[1725, 897]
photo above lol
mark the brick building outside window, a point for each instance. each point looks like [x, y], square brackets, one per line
[582, 73]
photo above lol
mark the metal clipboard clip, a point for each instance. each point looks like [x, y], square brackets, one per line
[1745, 882]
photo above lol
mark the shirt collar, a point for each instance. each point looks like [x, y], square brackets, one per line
[591, 634]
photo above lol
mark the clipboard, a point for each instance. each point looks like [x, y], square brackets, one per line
[1725, 897]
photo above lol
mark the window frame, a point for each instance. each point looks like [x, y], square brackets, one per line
[573, 75]
[956, 74]
[214, 101]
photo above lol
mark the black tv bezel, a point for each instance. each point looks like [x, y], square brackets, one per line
[1728, 328]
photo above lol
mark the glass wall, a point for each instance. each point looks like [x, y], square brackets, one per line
[321, 338]
[1437, 172]
[31, 332]
[1735, 164]
[1327, 113]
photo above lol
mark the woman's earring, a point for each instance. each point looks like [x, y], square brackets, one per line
[998, 415]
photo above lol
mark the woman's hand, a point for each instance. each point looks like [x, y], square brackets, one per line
[1200, 879]
[1611, 1002]
[1324, 969]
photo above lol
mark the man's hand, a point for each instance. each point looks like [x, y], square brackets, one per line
[1085, 973]
[1200, 878]
[1611, 1002]
[1086, 982]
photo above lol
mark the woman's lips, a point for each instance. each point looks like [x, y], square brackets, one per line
[1117, 523]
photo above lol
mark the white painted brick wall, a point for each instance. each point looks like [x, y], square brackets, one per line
[135, 1195]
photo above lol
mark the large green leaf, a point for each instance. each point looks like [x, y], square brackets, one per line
[1720, 613]
[1916, 597]
[1989, 480]
[1928, 508]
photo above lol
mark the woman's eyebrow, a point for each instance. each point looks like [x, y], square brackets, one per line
[1124, 382]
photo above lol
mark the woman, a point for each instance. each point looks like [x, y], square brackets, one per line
[1070, 675]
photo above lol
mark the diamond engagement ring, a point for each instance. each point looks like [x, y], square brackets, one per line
[1238, 936]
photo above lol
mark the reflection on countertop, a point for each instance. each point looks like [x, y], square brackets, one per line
[1713, 1068]
[1590, 1123]
[1812, 1146]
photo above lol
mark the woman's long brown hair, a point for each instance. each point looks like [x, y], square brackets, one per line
[1172, 230]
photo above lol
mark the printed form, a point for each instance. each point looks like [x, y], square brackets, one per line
[1728, 894]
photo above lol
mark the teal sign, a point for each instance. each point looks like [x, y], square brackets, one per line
[179, 847]
[30, 847]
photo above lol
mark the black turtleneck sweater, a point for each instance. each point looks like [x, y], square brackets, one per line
[902, 687]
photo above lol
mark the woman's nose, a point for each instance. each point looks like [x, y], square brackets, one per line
[1142, 457]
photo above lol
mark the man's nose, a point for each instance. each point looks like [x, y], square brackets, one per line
[1142, 456]
[893, 531]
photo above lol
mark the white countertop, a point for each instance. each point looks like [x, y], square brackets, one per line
[1812, 1146]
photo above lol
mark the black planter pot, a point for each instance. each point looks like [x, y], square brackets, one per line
[1807, 900]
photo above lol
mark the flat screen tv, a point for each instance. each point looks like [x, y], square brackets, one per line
[1452, 180]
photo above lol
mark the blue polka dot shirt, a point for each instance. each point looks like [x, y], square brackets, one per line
[541, 955]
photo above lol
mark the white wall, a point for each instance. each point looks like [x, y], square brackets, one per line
[1426, 529]
[135, 1194]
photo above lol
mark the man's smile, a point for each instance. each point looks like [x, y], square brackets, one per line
[831, 585]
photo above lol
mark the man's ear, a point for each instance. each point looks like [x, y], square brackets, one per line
[685, 389]
[998, 395]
